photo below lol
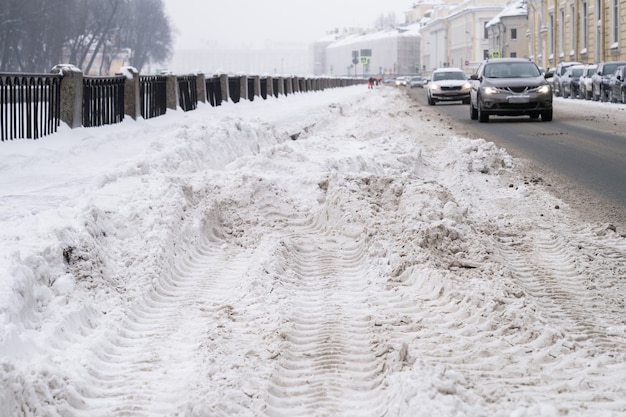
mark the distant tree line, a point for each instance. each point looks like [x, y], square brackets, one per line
[35, 35]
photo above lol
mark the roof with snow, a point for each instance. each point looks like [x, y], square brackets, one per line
[516, 8]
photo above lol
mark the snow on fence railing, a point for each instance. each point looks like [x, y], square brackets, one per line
[33, 105]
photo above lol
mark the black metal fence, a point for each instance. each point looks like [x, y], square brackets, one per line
[33, 105]
[214, 91]
[275, 84]
[234, 88]
[153, 95]
[187, 92]
[103, 100]
[29, 105]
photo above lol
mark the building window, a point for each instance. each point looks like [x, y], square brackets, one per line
[584, 30]
[562, 32]
[513, 54]
[551, 35]
[513, 33]
[572, 29]
[599, 16]
[614, 23]
[485, 31]
[485, 53]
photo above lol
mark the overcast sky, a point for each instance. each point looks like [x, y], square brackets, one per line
[246, 23]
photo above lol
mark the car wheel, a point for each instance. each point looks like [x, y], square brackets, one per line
[546, 116]
[611, 99]
[565, 93]
[431, 101]
[473, 111]
[594, 94]
[623, 96]
[483, 116]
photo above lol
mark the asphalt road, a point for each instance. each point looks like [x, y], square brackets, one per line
[582, 152]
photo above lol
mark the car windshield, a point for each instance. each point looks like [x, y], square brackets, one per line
[577, 72]
[511, 70]
[590, 71]
[611, 68]
[448, 75]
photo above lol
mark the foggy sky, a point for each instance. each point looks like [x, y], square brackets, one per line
[258, 23]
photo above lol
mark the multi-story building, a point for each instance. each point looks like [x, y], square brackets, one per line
[456, 34]
[507, 31]
[380, 52]
[588, 31]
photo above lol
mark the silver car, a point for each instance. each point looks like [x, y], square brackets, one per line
[448, 84]
[585, 82]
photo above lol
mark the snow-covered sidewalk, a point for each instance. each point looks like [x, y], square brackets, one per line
[325, 254]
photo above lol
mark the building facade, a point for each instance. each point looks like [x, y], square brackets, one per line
[386, 52]
[457, 35]
[587, 31]
[507, 31]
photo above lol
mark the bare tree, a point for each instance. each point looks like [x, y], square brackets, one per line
[31, 34]
[146, 32]
[92, 25]
[38, 34]
[386, 21]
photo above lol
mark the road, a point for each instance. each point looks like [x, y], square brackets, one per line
[582, 151]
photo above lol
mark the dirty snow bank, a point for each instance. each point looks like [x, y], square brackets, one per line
[209, 264]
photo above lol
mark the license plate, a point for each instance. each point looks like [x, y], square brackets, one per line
[518, 99]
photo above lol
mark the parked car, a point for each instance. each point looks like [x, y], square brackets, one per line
[510, 87]
[558, 73]
[600, 80]
[570, 81]
[448, 84]
[617, 91]
[584, 83]
[416, 81]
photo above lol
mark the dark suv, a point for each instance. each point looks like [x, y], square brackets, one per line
[510, 87]
[600, 80]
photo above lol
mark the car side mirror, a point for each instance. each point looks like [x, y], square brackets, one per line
[473, 77]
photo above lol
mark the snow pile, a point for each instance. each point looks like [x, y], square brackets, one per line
[334, 253]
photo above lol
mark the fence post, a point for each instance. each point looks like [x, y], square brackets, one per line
[172, 92]
[201, 87]
[131, 92]
[71, 111]
[224, 86]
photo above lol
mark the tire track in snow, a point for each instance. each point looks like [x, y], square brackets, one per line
[544, 265]
[144, 365]
[330, 357]
[511, 324]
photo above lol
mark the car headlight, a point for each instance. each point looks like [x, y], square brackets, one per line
[467, 86]
[490, 90]
[544, 89]
[434, 86]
